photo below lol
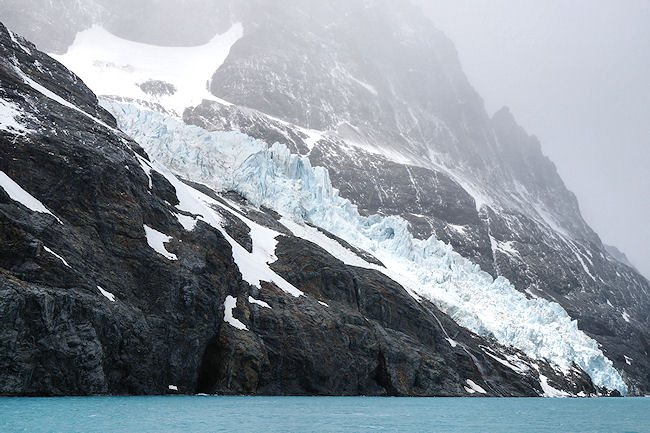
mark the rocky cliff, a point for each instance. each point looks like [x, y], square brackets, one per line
[372, 92]
[111, 284]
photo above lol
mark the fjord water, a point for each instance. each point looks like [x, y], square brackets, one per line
[323, 414]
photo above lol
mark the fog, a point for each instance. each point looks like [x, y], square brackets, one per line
[577, 75]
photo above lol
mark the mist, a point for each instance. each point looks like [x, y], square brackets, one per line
[577, 75]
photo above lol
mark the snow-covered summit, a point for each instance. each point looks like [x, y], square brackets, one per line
[173, 77]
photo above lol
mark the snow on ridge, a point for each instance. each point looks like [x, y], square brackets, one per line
[157, 241]
[53, 96]
[273, 177]
[13, 37]
[473, 387]
[17, 193]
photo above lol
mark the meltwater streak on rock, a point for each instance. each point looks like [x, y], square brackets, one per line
[286, 182]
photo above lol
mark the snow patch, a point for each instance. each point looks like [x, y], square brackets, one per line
[323, 304]
[157, 241]
[330, 245]
[313, 136]
[9, 113]
[626, 316]
[451, 342]
[549, 391]
[628, 360]
[458, 229]
[473, 387]
[519, 369]
[229, 305]
[172, 388]
[108, 295]
[18, 194]
[56, 255]
[187, 222]
[146, 168]
[253, 266]
[252, 300]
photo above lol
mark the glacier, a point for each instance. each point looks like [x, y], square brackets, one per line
[270, 175]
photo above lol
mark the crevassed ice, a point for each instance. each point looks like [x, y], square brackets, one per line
[272, 176]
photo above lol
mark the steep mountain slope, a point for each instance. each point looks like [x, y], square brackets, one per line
[372, 92]
[117, 277]
[410, 137]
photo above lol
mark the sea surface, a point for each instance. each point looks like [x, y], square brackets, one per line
[323, 414]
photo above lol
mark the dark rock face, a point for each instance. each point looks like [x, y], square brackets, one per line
[88, 307]
[158, 88]
[59, 335]
[386, 83]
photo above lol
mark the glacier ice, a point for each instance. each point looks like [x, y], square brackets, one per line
[253, 266]
[270, 175]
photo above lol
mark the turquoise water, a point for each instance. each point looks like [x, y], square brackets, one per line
[323, 414]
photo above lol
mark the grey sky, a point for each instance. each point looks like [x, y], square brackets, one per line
[576, 74]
